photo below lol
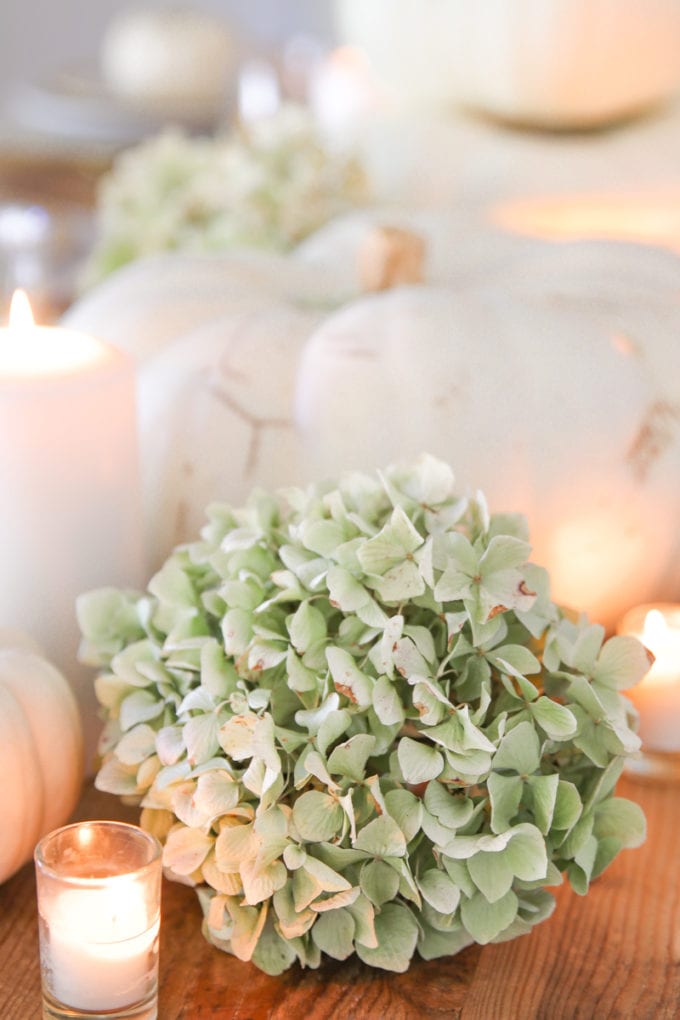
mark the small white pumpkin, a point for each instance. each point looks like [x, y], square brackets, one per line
[548, 63]
[149, 303]
[41, 750]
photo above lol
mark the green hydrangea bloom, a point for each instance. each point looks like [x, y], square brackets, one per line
[358, 723]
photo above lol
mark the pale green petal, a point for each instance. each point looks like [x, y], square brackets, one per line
[554, 719]
[485, 920]
[621, 819]
[317, 816]
[379, 882]
[333, 933]
[505, 793]
[348, 678]
[397, 934]
[382, 838]
[519, 750]
[386, 702]
[622, 663]
[492, 873]
[349, 759]
[439, 890]
[407, 811]
[418, 761]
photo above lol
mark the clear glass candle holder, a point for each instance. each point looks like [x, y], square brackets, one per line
[99, 891]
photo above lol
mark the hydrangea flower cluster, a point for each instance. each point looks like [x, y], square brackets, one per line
[358, 723]
[266, 185]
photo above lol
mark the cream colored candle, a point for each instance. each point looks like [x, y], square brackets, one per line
[69, 484]
[101, 952]
[99, 886]
[657, 696]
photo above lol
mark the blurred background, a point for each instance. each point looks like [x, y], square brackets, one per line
[448, 106]
[39, 37]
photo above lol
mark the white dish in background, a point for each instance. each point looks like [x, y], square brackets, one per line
[79, 106]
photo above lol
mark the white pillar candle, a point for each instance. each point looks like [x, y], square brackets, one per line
[100, 953]
[69, 484]
[657, 696]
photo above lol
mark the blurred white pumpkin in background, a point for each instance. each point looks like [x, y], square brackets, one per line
[177, 61]
[558, 64]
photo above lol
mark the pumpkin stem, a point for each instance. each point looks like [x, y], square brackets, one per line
[391, 257]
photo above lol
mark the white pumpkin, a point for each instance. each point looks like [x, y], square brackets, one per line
[549, 63]
[218, 402]
[554, 386]
[41, 750]
[217, 416]
[149, 303]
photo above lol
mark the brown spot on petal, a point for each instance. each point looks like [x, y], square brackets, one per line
[496, 611]
[523, 590]
[347, 691]
[378, 809]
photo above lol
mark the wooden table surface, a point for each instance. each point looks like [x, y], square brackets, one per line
[615, 953]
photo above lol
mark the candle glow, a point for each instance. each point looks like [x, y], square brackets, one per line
[28, 350]
[642, 217]
[98, 886]
[657, 696]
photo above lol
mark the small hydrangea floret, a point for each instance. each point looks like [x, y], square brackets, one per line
[359, 724]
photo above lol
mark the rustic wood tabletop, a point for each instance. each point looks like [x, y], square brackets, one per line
[613, 954]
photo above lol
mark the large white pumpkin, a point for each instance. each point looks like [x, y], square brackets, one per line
[545, 374]
[550, 63]
[553, 386]
[41, 750]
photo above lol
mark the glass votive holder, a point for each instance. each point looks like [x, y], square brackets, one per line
[43, 248]
[99, 891]
[657, 696]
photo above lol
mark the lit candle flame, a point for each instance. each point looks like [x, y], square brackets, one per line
[20, 313]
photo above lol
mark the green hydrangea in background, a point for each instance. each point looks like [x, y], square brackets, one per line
[359, 724]
[267, 185]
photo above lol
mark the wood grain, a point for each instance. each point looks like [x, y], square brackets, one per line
[612, 954]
